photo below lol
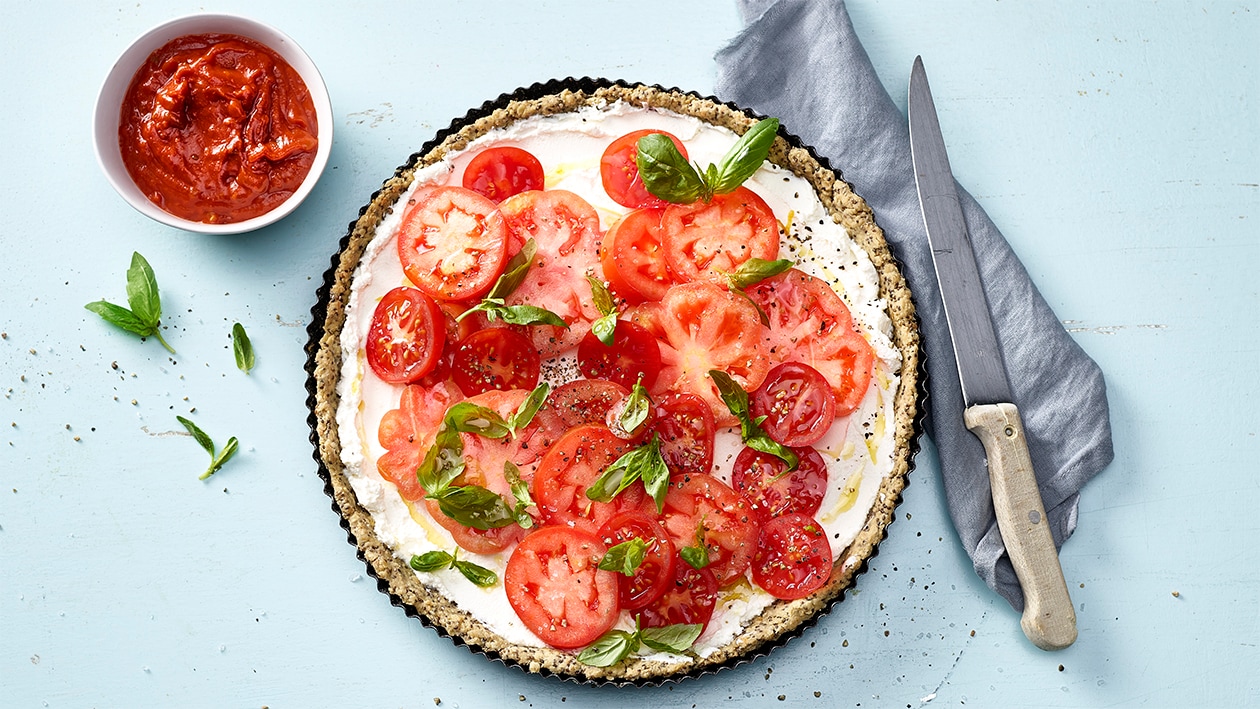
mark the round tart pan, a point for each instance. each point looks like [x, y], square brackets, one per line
[779, 623]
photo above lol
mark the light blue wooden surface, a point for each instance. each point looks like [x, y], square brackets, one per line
[1116, 145]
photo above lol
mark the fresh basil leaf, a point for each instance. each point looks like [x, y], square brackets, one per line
[613, 647]
[677, 638]
[120, 316]
[474, 506]
[431, 561]
[756, 270]
[229, 450]
[638, 406]
[666, 173]
[242, 349]
[142, 291]
[696, 557]
[529, 407]
[750, 432]
[745, 157]
[520, 491]
[524, 315]
[479, 575]
[468, 417]
[443, 462]
[764, 443]
[605, 329]
[625, 558]
[515, 270]
[643, 463]
[655, 473]
[601, 297]
[198, 435]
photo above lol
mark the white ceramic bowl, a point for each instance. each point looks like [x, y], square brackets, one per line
[109, 104]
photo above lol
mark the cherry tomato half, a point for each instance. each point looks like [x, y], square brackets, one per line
[633, 356]
[406, 336]
[554, 583]
[584, 401]
[495, 358]
[631, 257]
[685, 425]
[691, 598]
[764, 481]
[619, 170]
[500, 172]
[797, 402]
[793, 557]
[453, 244]
[656, 572]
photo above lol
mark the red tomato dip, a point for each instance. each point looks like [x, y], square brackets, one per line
[217, 128]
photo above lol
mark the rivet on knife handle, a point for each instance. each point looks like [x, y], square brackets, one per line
[1049, 620]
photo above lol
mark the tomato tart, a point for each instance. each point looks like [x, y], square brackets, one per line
[615, 382]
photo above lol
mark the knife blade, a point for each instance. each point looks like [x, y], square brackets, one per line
[989, 412]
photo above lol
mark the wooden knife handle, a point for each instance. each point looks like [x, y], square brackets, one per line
[1049, 619]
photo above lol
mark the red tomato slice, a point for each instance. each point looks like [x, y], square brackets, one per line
[633, 356]
[408, 431]
[632, 259]
[584, 401]
[703, 327]
[763, 480]
[727, 521]
[500, 172]
[809, 323]
[569, 467]
[619, 170]
[554, 583]
[685, 425]
[405, 338]
[793, 557]
[495, 358]
[654, 575]
[797, 402]
[691, 598]
[703, 240]
[453, 244]
[566, 230]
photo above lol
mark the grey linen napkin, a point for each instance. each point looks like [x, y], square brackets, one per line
[800, 61]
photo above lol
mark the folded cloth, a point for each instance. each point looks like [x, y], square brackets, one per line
[800, 61]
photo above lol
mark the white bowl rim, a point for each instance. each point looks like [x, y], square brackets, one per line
[113, 88]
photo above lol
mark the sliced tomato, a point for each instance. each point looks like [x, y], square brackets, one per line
[656, 572]
[554, 583]
[408, 432]
[793, 557]
[566, 229]
[703, 327]
[690, 598]
[809, 323]
[569, 467]
[495, 358]
[632, 258]
[453, 244]
[763, 480]
[502, 171]
[702, 505]
[706, 240]
[619, 170]
[685, 425]
[797, 403]
[584, 401]
[405, 337]
[632, 357]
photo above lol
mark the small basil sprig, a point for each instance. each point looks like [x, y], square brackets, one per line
[495, 306]
[605, 328]
[439, 560]
[643, 463]
[242, 348]
[750, 431]
[668, 175]
[217, 460]
[520, 490]
[616, 645]
[756, 270]
[145, 316]
[626, 557]
[697, 556]
[638, 406]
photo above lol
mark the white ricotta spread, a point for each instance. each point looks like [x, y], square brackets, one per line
[858, 449]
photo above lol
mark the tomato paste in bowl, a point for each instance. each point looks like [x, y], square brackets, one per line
[214, 123]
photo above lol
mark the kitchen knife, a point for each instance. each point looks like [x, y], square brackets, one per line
[1049, 619]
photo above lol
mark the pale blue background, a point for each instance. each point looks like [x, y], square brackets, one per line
[1114, 143]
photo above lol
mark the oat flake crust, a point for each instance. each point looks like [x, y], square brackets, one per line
[782, 620]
